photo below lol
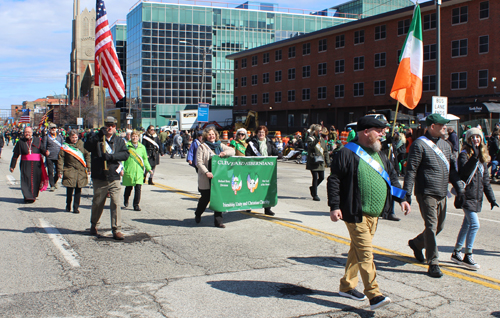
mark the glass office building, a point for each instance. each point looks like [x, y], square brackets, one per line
[166, 45]
[368, 8]
[119, 33]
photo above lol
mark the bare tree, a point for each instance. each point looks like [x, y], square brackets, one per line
[84, 107]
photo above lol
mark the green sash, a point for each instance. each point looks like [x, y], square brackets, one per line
[138, 159]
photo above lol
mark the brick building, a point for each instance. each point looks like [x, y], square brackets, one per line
[338, 74]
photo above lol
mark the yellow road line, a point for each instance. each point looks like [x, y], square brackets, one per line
[402, 257]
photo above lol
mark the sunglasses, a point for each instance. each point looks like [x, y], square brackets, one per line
[110, 125]
[241, 134]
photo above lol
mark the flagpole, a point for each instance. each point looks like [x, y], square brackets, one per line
[393, 127]
[102, 92]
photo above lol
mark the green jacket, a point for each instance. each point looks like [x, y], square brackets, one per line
[134, 174]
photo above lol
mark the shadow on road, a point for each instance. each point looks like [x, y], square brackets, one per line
[206, 220]
[291, 198]
[12, 200]
[43, 210]
[325, 261]
[257, 289]
[312, 213]
[479, 251]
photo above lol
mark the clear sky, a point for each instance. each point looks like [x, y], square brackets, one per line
[35, 42]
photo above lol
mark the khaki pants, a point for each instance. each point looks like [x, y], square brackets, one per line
[101, 189]
[433, 212]
[360, 257]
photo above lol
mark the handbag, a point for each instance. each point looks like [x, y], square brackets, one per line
[319, 159]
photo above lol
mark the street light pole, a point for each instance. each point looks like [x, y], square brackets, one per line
[204, 51]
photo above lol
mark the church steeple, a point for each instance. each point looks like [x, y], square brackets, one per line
[76, 8]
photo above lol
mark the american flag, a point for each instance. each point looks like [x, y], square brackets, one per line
[44, 118]
[105, 56]
[25, 118]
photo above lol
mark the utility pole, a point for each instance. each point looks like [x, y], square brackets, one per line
[438, 47]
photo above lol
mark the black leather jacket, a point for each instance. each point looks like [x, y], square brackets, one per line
[120, 152]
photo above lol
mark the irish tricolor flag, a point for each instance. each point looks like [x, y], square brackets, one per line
[407, 87]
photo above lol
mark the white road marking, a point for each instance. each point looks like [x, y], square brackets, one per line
[12, 180]
[481, 219]
[62, 245]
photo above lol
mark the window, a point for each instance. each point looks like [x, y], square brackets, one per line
[291, 96]
[277, 76]
[235, 64]
[359, 63]
[235, 100]
[273, 119]
[235, 82]
[303, 120]
[254, 60]
[359, 89]
[359, 37]
[459, 80]
[243, 100]
[254, 80]
[321, 69]
[484, 10]
[459, 15]
[403, 26]
[339, 41]
[306, 71]
[429, 21]
[291, 120]
[277, 55]
[265, 98]
[322, 45]
[483, 78]
[459, 48]
[277, 97]
[265, 58]
[306, 94]
[322, 92]
[429, 52]
[429, 83]
[306, 49]
[484, 44]
[339, 91]
[380, 32]
[244, 81]
[265, 78]
[243, 63]
[254, 99]
[291, 52]
[379, 59]
[291, 74]
[379, 88]
[339, 66]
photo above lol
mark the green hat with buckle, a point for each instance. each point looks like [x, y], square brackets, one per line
[436, 119]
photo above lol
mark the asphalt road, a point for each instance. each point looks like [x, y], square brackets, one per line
[258, 266]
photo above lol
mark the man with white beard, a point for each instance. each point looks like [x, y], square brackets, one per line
[362, 185]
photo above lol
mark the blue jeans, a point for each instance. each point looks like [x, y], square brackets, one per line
[494, 167]
[469, 229]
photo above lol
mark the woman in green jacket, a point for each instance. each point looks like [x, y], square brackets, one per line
[135, 167]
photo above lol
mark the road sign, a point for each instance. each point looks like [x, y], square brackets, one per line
[203, 112]
[440, 105]
[129, 116]
[79, 121]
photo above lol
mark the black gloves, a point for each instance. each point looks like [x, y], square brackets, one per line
[476, 151]
[102, 132]
[459, 200]
[494, 204]
[107, 157]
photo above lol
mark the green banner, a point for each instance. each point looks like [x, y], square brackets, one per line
[243, 183]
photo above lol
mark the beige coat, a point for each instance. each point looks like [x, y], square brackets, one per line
[203, 155]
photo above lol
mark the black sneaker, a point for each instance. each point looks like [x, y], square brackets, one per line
[379, 301]
[416, 252]
[457, 257]
[469, 262]
[434, 271]
[353, 294]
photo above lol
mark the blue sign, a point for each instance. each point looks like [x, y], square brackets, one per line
[203, 112]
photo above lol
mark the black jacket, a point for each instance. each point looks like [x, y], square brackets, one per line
[493, 147]
[271, 147]
[119, 153]
[2, 141]
[53, 147]
[478, 184]
[343, 190]
[427, 172]
[151, 149]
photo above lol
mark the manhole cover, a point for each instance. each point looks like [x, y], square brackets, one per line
[294, 290]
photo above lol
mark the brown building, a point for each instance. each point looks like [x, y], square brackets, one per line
[338, 74]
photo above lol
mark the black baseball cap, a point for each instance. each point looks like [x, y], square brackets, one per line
[368, 122]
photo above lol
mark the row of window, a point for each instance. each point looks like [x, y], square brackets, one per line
[458, 81]
[459, 15]
[458, 48]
